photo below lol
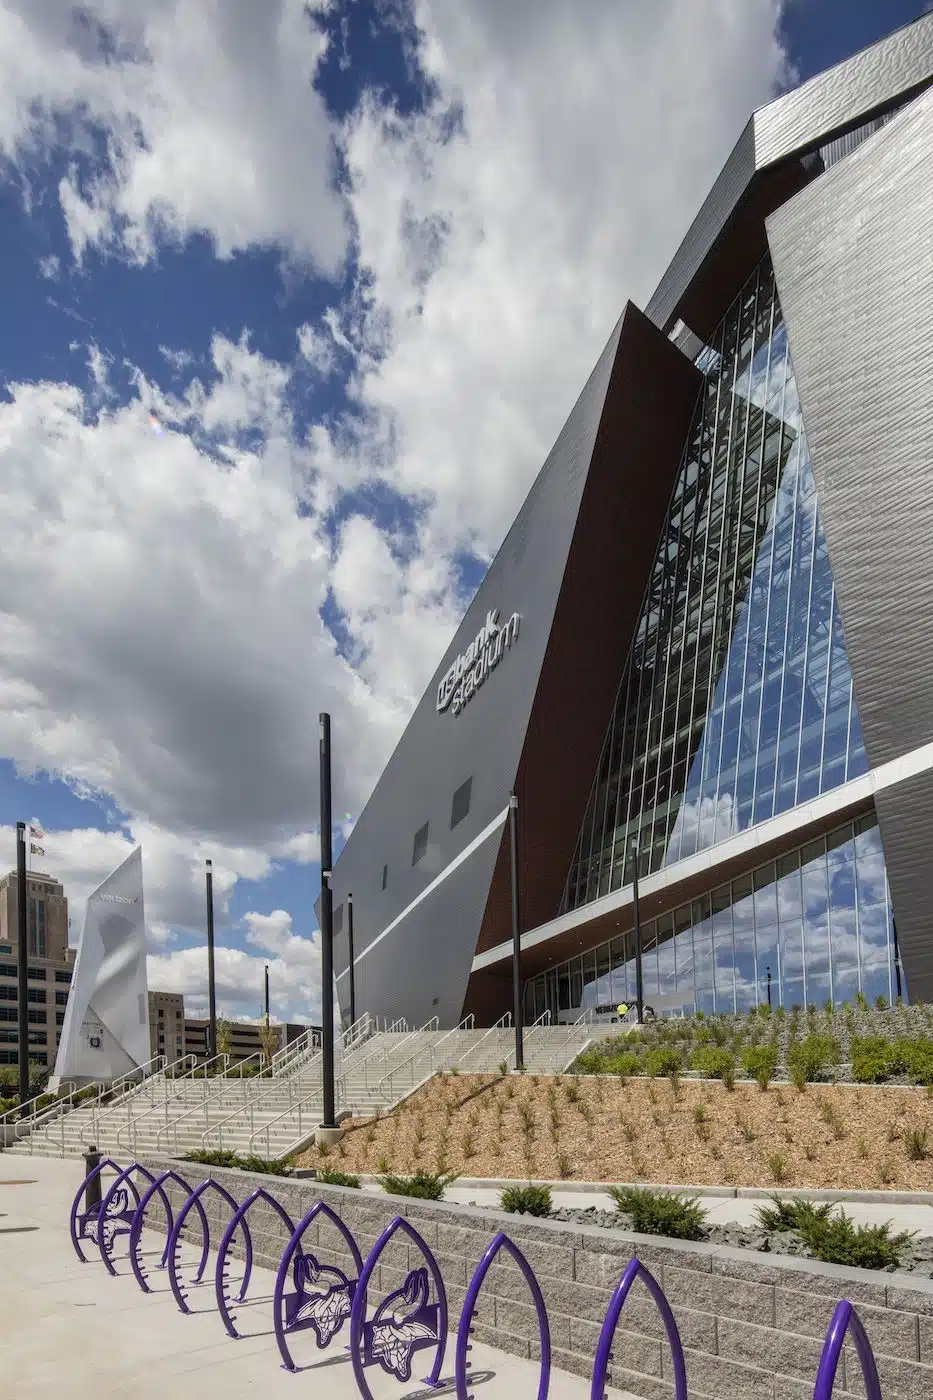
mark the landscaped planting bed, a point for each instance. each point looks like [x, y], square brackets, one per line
[603, 1128]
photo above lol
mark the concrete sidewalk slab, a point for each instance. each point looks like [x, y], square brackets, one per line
[70, 1329]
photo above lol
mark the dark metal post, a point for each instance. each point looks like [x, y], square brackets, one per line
[21, 973]
[327, 929]
[639, 980]
[350, 959]
[92, 1192]
[516, 934]
[211, 992]
[267, 993]
[769, 986]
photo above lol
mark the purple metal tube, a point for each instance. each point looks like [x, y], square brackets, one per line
[174, 1244]
[633, 1269]
[76, 1230]
[156, 1189]
[358, 1325]
[281, 1278]
[220, 1273]
[115, 1211]
[846, 1319]
[501, 1242]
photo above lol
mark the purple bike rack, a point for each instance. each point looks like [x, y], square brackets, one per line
[323, 1296]
[465, 1330]
[115, 1213]
[634, 1269]
[174, 1243]
[157, 1189]
[404, 1322]
[220, 1275]
[846, 1319]
[82, 1225]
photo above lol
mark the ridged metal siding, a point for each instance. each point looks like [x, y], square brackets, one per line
[853, 257]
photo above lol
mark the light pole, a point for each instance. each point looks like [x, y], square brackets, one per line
[267, 994]
[21, 966]
[639, 981]
[327, 929]
[516, 934]
[211, 989]
[350, 959]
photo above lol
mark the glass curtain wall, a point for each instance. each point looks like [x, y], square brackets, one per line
[810, 927]
[736, 702]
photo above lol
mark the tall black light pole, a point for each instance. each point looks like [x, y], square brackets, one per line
[21, 973]
[211, 989]
[267, 994]
[516, 934]
[639, 980]
[350, 959]
[327, 929]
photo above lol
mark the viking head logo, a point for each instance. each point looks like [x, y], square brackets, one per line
[403, 1322]
[322, 1299]
[116, 1221]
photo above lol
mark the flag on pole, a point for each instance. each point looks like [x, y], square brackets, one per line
[36, 850]
[35, 830]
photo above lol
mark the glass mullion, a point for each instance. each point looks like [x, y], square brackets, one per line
[790, 578]
[806, 645]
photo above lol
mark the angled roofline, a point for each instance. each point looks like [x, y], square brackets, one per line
[792, 125]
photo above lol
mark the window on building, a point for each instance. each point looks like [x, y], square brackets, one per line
[8, 1057]
[37, 1038]
[41, 904]
[59, 1018]
[36, 1018]
[385, 876]
[61, 998]
[36, 994]
[8, 1037]
[38, 1057]
[9, 1013]
[8, 970]
[460, 805]
[38, 974]
[161, 1014]
[7, 994]
[63, 974]
[6, 947]
[420, 844]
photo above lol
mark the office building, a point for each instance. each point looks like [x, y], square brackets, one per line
[49, 966]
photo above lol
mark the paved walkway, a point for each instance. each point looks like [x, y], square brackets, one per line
[69, 1329]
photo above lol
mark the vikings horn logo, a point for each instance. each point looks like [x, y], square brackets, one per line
[402, 1324]
[322, 1299]
[117, 1221]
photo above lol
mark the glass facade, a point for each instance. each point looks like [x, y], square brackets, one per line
[818, 920]
[736, 701]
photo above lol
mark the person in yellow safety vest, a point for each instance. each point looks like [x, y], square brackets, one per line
[622, 1008]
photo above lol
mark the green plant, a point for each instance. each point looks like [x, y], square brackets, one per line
[657, 1063]
[777, 1166]
[623, 1065]
[881, 1003]
[861, 1001]
[787, 1215]
[832, 1118]
[917, 1143]
[564, 1167]
[224, 1036]
[760, 1061]
[836, 1240]
[713, 1062]
[331, 1177]
[503, 1068]
[573, 1092]
[526, 1200]
[277, 1166]
[426, 1186]
[810, 1056]
[870, 1067]
[660, 1213]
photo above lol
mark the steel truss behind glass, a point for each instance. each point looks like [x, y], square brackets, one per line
[819, 920]
[736, 701]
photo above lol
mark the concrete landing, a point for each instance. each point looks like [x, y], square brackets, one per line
[70, 1329]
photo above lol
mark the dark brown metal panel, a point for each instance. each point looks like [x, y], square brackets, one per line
[853, 258]
[646, 418]
[905, 816]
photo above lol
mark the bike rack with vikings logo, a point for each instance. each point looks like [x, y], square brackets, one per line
[846, 1319]
[158, 1189]
[323, 1296]
[117, 1216]
[83, 1225]
[404, 1322]
[633, 1270]
[221, 1277]
[173, 1249]
[465, 1330]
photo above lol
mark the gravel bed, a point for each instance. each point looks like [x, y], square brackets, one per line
[917, 1259]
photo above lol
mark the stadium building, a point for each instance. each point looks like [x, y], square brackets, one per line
[705, 643]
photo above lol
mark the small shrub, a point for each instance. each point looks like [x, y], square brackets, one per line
[760, 1061]
[777, 1166]
[870, 1068]
[526, 1200]
[658, 1063]
[623, 1065]
[881, 1003]
[277, 1166]
[331, 1177]
[573, 1092]
[917, 1143]
[787, 1215]
[713, 1062]
[809, 1057]
[425, 1186]
[564, 1167]
[659, 1213]
[503, 1068]
[835, 1240]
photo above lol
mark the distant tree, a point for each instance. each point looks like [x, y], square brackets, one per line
[224, 1036]
[269, 1040]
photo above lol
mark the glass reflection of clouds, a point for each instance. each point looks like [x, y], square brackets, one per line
[819, 919]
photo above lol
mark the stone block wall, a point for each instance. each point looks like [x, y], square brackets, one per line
[752, 1325]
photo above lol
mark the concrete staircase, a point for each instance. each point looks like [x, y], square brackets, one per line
[277, 1114]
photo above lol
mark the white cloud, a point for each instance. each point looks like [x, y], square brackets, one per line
[207, 113]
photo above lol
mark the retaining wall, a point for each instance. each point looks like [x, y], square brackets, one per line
[752, 1325]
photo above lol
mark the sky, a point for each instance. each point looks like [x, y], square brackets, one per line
[297, 297]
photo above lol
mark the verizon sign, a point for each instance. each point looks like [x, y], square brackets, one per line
[471, 668]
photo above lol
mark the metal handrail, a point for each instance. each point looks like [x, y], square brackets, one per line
[224, 1085]
[540, 1023]
[51, 1111]
[391, 1050]
[293, 1050]
[359, 1030]
[293, 1108]
[269, 1087]
[192, 1073]
[503, 1024]
[416, 1055]
[145, 1085]
[466, 1024]
[224, 1080]
[157, 1060]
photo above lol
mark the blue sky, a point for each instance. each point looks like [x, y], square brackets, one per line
[277, 371]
